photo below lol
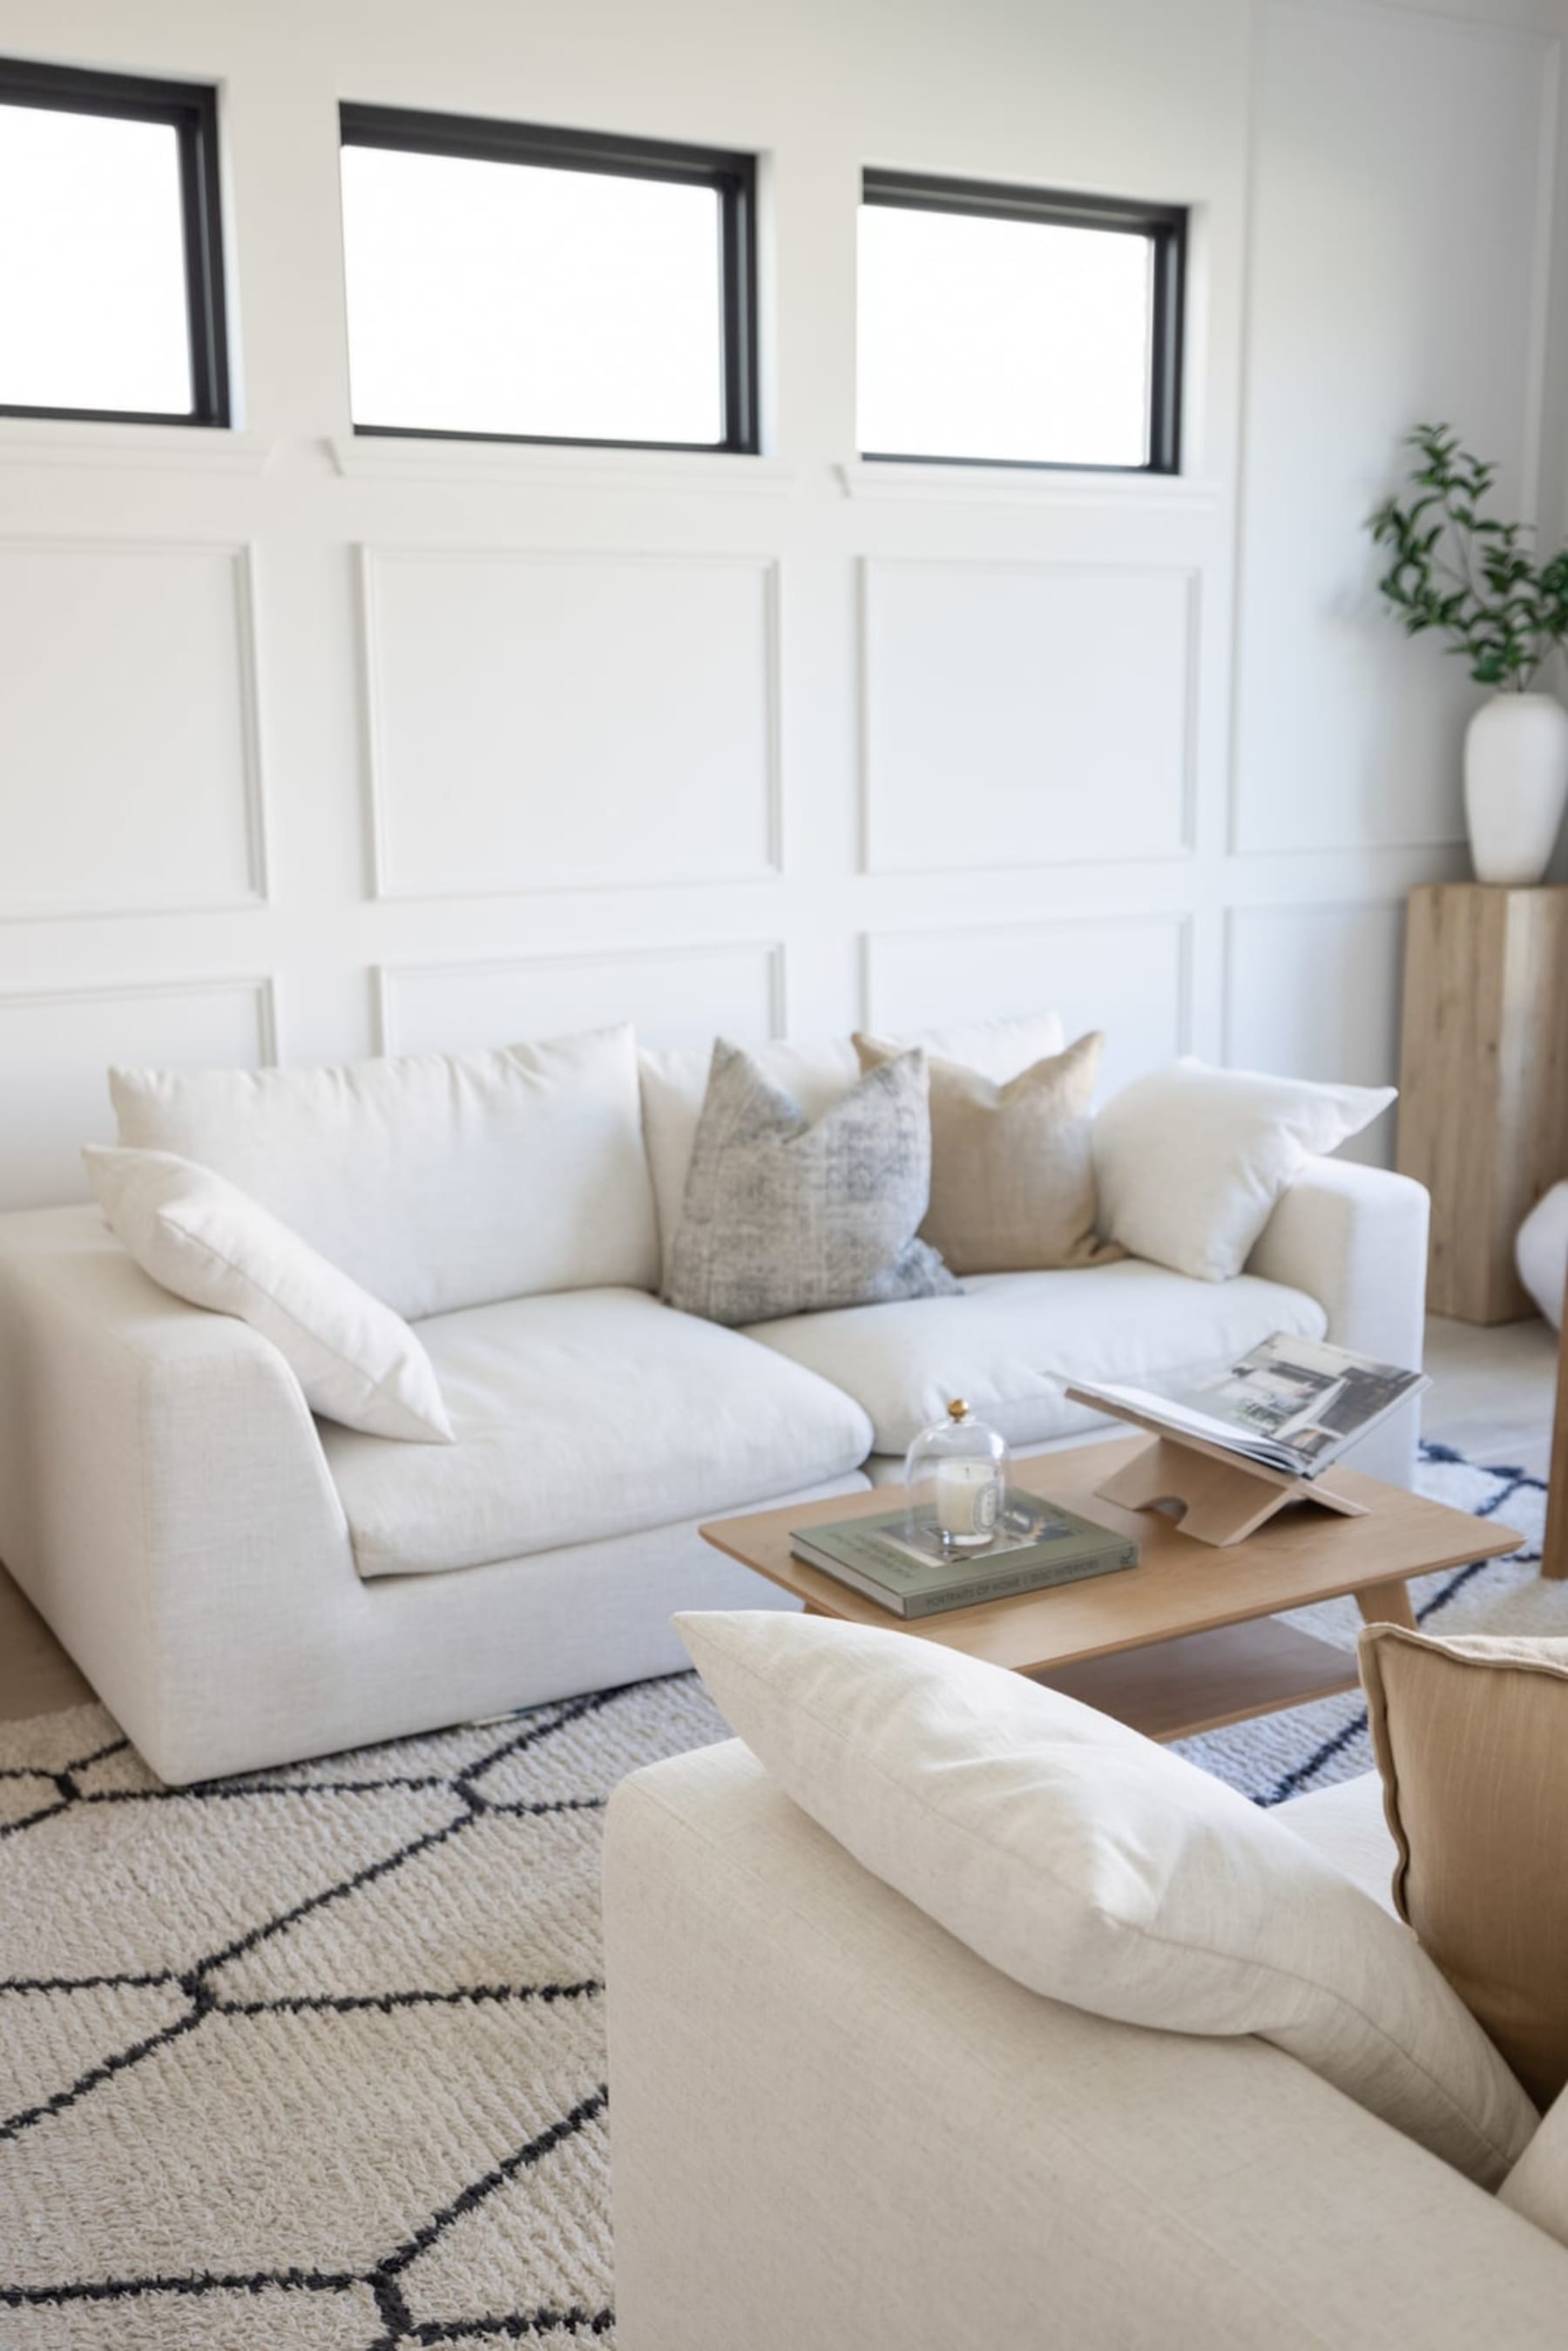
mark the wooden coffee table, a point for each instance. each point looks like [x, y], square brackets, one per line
[1185, 1641]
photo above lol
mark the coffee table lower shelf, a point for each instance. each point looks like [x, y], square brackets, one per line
[1201, 1681]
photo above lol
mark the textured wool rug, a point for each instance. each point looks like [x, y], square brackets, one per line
[313, 2061]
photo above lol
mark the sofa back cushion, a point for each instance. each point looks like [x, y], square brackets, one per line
[1095, 1867]
[436, 1181]
[674, 1085]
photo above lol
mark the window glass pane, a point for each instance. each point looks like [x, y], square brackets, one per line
[514, 299]
[1003, 339]
[92, 264]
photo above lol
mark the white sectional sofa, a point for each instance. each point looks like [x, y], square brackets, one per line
[833, 2125]
[245, 1585]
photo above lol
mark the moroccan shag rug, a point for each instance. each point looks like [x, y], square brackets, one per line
[314, 2061]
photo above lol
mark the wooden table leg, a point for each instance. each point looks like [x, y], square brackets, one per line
[1554, 1543]
[1386, 1604]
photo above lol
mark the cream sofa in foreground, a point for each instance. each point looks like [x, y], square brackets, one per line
[245, 1585]
[833, 2124]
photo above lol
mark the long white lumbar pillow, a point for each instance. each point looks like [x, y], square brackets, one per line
[1093, 1866]
[200, 1236]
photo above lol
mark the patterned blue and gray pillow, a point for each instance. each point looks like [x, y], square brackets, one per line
[782, 1216]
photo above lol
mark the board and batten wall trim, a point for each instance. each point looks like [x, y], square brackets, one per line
[972, 842]
[447, 736]
[184, 1022]
[375, 563]
[239, 562]
[762, 962]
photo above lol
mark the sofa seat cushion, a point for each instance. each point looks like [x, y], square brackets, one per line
[583, 1416]
[1013, 1341]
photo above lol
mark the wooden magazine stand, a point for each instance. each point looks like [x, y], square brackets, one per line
[1223, 1499]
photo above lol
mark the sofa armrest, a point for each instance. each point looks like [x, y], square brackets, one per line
[833, 2124]
[164, 1498]
[1354, 1238]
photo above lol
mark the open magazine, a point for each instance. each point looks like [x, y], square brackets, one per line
[1293, 1405]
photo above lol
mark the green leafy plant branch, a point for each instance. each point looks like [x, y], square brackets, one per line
[1451, 567]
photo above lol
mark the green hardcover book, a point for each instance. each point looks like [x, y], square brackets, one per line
[1041, 1544]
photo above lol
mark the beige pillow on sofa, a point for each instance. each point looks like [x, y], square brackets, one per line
[1472, 1738]
[1095, 1867]
[1012, 1166]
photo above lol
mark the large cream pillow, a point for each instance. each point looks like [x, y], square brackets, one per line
[675, 1084]
[1191, 1160]
[437, 1181]
[1093, 1866]
[1013, 1165]
[200, 1237]
[1471, 1738]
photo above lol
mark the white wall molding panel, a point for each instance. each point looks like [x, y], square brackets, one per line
[597, 720]
[997, 727]
[133, 758]
[678, 995]
[57, 1046]
[1129, 975]
[458, 741]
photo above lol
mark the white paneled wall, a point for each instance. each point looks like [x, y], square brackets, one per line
[127, 680]
[54, 1044]
[594, 719]
[995, 709]
[1401, 265]
[314, 747]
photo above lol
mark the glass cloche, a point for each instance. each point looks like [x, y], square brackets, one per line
[955, 1475]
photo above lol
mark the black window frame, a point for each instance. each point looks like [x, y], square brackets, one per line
[191, 111]
[1165, 226]
[733, 176]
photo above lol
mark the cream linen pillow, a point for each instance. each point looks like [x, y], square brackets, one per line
[1471, 1738]
[1012, 1168]
[1191, 1160]
[200, 1237]
[675, 1085]
[1093, 1866]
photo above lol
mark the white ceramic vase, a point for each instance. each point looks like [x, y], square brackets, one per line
[1516, 782]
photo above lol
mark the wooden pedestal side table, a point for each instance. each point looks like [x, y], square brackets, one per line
[1483, 1081]
[1185, 1641]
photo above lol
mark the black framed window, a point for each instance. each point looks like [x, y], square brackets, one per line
[506, 282]
[1016, 326]
[112, 280]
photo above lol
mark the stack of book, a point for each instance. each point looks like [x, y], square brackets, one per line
[897, 1562]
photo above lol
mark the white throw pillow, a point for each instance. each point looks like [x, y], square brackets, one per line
[200, 1237]
[1191, 1160]
[438, 1181]
[675, 1085]
[1091, 1865]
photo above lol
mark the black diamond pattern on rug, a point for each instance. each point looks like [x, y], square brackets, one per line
[314, 2059]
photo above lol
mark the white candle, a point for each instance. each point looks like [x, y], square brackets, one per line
[966, 1501]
